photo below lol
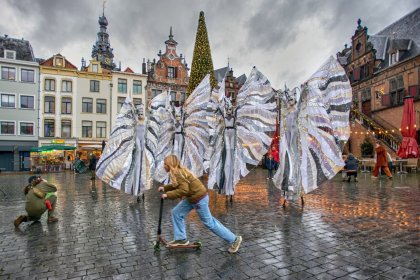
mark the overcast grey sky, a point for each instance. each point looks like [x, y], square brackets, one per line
[287, 40]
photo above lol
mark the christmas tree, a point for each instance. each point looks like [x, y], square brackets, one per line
[202, 63]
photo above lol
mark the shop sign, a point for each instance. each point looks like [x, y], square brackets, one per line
[57, 141]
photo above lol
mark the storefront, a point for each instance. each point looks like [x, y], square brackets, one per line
[14, 155]
[52, 158]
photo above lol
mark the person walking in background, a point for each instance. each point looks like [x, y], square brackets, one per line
[40, 197]
[351, 167]
[381, 162]
[270, 163]
[92, 166]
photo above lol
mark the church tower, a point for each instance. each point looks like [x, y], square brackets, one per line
[102, 50]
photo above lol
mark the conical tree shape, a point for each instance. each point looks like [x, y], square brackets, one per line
[202, 64]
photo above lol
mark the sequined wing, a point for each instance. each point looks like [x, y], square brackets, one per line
[196, 128]
[255, 123]
[323, 120]
[159, 136]
[214, 152]
[116, 165]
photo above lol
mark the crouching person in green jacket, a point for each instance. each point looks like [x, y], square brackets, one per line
[40, 197]
[185, 185]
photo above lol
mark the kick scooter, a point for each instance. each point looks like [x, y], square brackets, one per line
[160, 240]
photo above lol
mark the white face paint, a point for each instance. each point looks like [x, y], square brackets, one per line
[140, 111]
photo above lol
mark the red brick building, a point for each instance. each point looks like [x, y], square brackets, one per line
[383, 69]
[232, 84]
[170, 72]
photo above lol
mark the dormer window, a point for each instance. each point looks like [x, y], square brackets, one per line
[393, 57]
[59, 62]
[9, 54]
[95, 68]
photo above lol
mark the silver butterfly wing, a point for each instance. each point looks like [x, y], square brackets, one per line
[255, 123]
[213, 163]
[323, 121]
[116, 165]
[160, 135]
[196, 128]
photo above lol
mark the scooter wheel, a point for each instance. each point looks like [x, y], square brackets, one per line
[199, 244]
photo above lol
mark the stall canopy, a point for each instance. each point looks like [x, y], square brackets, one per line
[53, 147]
[409, 146]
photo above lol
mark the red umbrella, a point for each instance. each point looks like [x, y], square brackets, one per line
[409, 146]
[274, 148]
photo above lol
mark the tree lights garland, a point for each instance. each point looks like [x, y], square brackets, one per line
[202, 63]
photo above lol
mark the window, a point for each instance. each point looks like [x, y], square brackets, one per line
[66, 86]
[101, 106]
[87, 104]
[172, 72]
[183, 97]
[49, 85]
[95, 68]
[137, 101]
[120, 103]
[173, 96]
[9, 54]
[27, 75]
[155, 92]
[27, 102]
[396, 90]
[49, 128]
[8, 73]
[7, 128]
[393, 58]
[49, 104]
[65, 129]
[122, 85]
[94, 86]
[136, 87]
[100, 129]
[8, 101]
[26, 128]
[59, 62]
[66, 106]
[87, 129]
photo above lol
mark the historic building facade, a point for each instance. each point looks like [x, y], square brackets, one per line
[383, 69]
[170, 72]
[19, 93]
[127, 83]
[232, 84]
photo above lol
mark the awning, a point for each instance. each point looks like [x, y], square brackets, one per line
[91, 147]
[53, 147]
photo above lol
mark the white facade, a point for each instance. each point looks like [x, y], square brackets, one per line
[19, 95]
[124, 84]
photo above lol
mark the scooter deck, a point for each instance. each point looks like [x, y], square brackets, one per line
[196, 245]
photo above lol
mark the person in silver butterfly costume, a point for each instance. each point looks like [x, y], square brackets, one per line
[241, 135]
[314, 119]
[123, 163]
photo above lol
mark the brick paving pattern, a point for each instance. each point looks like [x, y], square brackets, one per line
[364, 230]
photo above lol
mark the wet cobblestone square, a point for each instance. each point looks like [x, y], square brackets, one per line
[363, 230]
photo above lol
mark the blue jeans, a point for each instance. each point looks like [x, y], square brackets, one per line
[202, 207]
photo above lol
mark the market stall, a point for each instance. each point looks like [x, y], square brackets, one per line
[51, 158]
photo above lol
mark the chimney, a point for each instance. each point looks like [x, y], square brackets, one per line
[143, 66]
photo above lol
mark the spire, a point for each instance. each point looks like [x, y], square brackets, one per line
[102, 50]
[171, 40]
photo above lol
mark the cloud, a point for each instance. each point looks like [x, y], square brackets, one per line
[286, 40]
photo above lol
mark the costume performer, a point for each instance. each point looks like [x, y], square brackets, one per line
[241, 134]
[182, 131]
[314, 119]
[123, 163]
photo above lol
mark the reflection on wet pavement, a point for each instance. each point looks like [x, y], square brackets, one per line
[364, 230]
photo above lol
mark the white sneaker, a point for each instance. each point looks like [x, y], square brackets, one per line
[235, 245]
